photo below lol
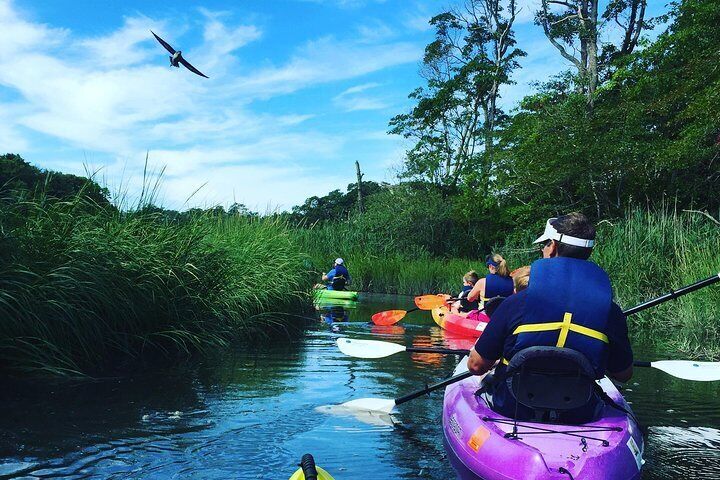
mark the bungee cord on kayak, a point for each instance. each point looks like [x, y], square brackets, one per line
[547, 381]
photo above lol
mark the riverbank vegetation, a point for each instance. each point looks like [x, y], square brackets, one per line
[630, 136]
[87, 288]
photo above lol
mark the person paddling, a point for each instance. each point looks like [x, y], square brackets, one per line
[338, 277]
[497, 283]
[567, 308]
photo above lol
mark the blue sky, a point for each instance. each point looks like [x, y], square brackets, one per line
[298, 90]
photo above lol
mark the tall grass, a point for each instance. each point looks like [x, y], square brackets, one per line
[84, 289]
[646, 254]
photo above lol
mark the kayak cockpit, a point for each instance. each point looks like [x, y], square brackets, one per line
[484, 444]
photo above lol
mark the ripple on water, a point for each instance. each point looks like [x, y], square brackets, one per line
[683, 452]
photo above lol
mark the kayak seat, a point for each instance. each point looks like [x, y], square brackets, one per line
[339, 283]
[492, 304]
[551, 380]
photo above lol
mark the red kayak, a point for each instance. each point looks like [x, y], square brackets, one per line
[472, 326]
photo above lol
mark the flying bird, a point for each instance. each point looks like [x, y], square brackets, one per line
[176, 57]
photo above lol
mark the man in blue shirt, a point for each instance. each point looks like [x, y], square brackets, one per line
[338, 277]
[568, 304]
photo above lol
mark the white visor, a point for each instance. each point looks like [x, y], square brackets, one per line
[339, 261]
[551, 234]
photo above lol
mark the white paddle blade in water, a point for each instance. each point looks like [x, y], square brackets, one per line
[380, 405]
[368, 348]
[689, 370]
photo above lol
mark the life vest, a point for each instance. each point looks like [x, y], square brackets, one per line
[568, 303]
[465, 304]
[498, 286]
[340, 279]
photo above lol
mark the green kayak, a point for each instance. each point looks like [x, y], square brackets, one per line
[322, 294]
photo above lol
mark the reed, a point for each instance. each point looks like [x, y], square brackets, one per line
[646, 254]
[86, 289]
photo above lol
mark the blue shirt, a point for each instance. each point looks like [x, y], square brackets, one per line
[339, 270]
[497, 339]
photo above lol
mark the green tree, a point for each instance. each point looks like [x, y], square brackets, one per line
[20, 178]
[575, 28]
[456, 115]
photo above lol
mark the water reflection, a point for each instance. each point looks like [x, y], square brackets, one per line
[252, 414]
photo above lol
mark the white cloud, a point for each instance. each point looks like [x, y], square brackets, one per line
[114, 96]
[350, 101]
[121, 47]
[359, 88]
[327, 60]
[221, 40]
[526, 11]
[375, 32]
[345, 3]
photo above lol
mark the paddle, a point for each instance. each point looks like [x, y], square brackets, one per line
[422, 302]
[684, 369]
[378, 349]
[387, 405]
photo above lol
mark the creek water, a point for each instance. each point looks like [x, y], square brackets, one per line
[252, 414]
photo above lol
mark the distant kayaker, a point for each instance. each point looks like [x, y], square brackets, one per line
[337, 278]
[465, 305]
[497, 283]
[569, 305]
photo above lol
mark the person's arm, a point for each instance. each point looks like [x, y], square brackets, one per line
[477, 364]
[620, 354]
[489, 347]
[623, 376]
[477, 291]
[328, 276]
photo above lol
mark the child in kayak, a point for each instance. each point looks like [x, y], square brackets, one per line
[521, 278]
[464, 305]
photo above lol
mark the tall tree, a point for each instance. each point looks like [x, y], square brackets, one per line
[574, 28]
[456, 115]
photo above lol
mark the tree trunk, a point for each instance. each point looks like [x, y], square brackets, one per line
[592, 47]
[359, 187]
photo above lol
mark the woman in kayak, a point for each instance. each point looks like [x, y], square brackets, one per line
[497, 283]
[464, 305]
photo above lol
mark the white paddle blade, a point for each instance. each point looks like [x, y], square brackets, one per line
[377, 419]
[368, 348]
[380, 405]
[689, 370]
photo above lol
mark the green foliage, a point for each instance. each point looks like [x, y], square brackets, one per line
[85, 289]
[456, 114]
[652, 135]
[20, 179]
[334, 206]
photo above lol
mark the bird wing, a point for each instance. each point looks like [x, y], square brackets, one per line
[164, 43]
[191, 68]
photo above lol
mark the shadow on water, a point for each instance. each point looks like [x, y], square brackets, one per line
[252, 414]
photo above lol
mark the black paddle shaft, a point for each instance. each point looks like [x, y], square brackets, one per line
[431, 388]
[446, 351]
[673, 294]
[630, 311]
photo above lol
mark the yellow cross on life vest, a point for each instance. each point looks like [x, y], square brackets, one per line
[565, 326]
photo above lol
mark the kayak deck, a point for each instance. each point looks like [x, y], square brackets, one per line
[460, 324]
[478, 447]
[323, 294]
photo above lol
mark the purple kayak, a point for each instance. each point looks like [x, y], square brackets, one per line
[609, 448]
